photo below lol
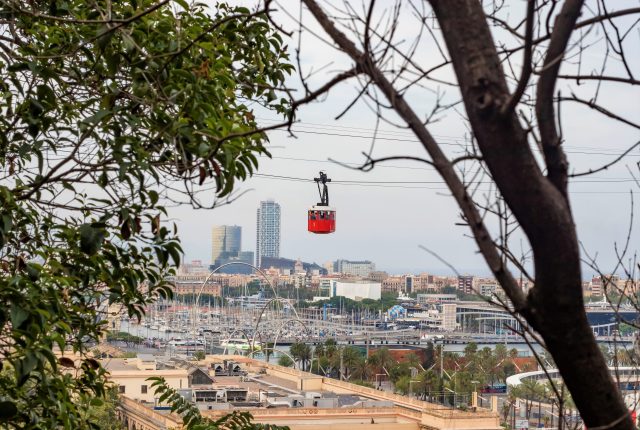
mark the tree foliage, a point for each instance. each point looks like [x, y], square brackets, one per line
[285, 361]
[102, 411]
[109, 110]
[387, 300]
[301, 353]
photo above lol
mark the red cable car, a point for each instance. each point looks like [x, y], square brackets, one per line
[321, 218]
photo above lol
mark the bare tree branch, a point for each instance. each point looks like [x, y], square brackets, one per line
[579, 78]
[600, 109]
[606, 166]
[555, 158]
[526, 62]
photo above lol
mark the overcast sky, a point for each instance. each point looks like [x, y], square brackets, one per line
[384, 221]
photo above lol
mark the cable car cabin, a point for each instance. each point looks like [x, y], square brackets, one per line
[321, 220]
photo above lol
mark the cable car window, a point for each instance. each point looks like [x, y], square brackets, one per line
[321, 214]
[312, 215]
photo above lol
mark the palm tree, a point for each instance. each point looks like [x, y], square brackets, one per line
[513, 353]
[322, 366]
[531, 391]
[413, 360]
[361, 369]
[403, 385]
[350, 357]
[429, 382]
[268, 350]
[319, 350]
[470, 350]
[301, 352]
[500, 352]
[382, 359]
[330, 346]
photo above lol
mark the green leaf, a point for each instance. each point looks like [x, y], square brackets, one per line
[98, 116]
[104, 35]
[18, 316]
[153, 195]
[91, 238]
[183, 3]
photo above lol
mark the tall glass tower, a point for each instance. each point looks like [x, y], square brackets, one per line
[268, 231]
[225, 242]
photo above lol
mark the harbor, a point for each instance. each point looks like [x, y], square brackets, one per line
[259, 326]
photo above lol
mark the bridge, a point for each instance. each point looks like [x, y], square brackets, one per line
[401, 338]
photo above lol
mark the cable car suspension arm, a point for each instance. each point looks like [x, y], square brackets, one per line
[324, 192]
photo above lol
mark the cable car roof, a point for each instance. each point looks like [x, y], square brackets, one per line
[322, 208]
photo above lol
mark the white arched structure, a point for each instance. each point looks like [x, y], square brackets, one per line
[194, 308]
[628, 374]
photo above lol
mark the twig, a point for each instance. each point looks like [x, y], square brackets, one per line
[606, 166]
[442, 260]
[526, 62]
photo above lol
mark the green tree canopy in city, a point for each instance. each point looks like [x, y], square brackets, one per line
[387, 300]
[110, 110]
[285, 361]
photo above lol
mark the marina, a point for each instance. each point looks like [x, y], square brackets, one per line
[260, 327]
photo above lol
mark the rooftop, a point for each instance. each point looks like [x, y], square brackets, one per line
[285, 396]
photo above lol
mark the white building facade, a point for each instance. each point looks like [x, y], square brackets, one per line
[356, 290]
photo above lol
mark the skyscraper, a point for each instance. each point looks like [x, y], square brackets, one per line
[226, 248]
[225, 242]
[268, 231]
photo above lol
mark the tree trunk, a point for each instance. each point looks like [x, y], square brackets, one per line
[554, 306]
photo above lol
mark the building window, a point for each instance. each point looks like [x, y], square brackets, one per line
[143, 389]
[121, 389]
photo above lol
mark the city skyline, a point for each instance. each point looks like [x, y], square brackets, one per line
[432, 265]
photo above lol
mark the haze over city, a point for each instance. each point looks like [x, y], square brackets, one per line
[385, 221]
[384, 214]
